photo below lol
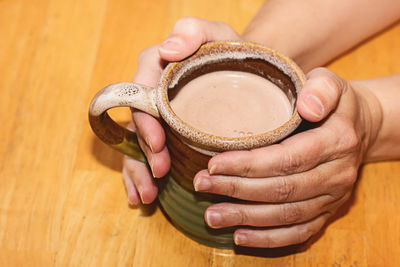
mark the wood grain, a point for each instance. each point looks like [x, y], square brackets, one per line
[62, 201]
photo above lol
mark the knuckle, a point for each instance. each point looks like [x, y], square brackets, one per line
[243, 217]
[269, 242]
[232, 188]
[332, 83]
[347, 139]
[304, 233]
[341, 200]
[247, 169]
[238, 214]
[352, 174]
[343, 182]
[346, 197]
[290, 163]
[350, 177]
[290, 213]
[284, 190]
[329, 81]
[351, 141]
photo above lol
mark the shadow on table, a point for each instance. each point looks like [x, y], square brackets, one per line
[105, 155]
[112, 159]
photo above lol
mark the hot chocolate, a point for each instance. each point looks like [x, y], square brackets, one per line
[232, 104]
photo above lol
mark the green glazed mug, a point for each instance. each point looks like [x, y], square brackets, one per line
[190, 149]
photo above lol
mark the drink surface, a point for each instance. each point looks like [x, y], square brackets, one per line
[232, 104]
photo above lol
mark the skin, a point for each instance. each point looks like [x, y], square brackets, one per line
[296, 185]
[317, 31]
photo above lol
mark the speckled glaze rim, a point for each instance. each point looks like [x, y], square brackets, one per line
[228, 49]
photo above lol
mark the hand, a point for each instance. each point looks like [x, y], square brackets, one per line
[294, 186]
[186, 37]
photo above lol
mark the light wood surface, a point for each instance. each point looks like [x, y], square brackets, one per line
[62, 200]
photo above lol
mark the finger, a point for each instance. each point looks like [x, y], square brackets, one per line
[320, 95]
[136, 174]
[150, 67]
[301, 186]
[189, 33]
[159, 162]
[298, 153]
[148, 73]
[231, 214]
[131, 191]
[280, 237]
[150, 129]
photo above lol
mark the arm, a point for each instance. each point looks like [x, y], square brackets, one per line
[314, 32]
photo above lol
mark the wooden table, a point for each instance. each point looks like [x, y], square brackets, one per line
[62, 200]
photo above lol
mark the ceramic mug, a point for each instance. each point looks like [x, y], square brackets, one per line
[190, 149]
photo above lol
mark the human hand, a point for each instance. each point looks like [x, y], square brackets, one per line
[186, 37]
[293, 187]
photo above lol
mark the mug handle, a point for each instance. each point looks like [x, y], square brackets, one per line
[125, 94]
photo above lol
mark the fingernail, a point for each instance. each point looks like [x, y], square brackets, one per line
[151, 163]
[212, 169]
[148, 142]
[213, 218]
[314, 105]
[134, 204]
[171, 45]
[140, 190]
[202, 184]
[240, 239]
[130, 202]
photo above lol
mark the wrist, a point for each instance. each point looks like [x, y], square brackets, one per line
[371, 115]
[272, 39]
[302, 53]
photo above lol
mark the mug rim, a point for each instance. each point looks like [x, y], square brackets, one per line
[211, 142]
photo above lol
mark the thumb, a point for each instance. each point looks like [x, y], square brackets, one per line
[320, 95]
[189, 33]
